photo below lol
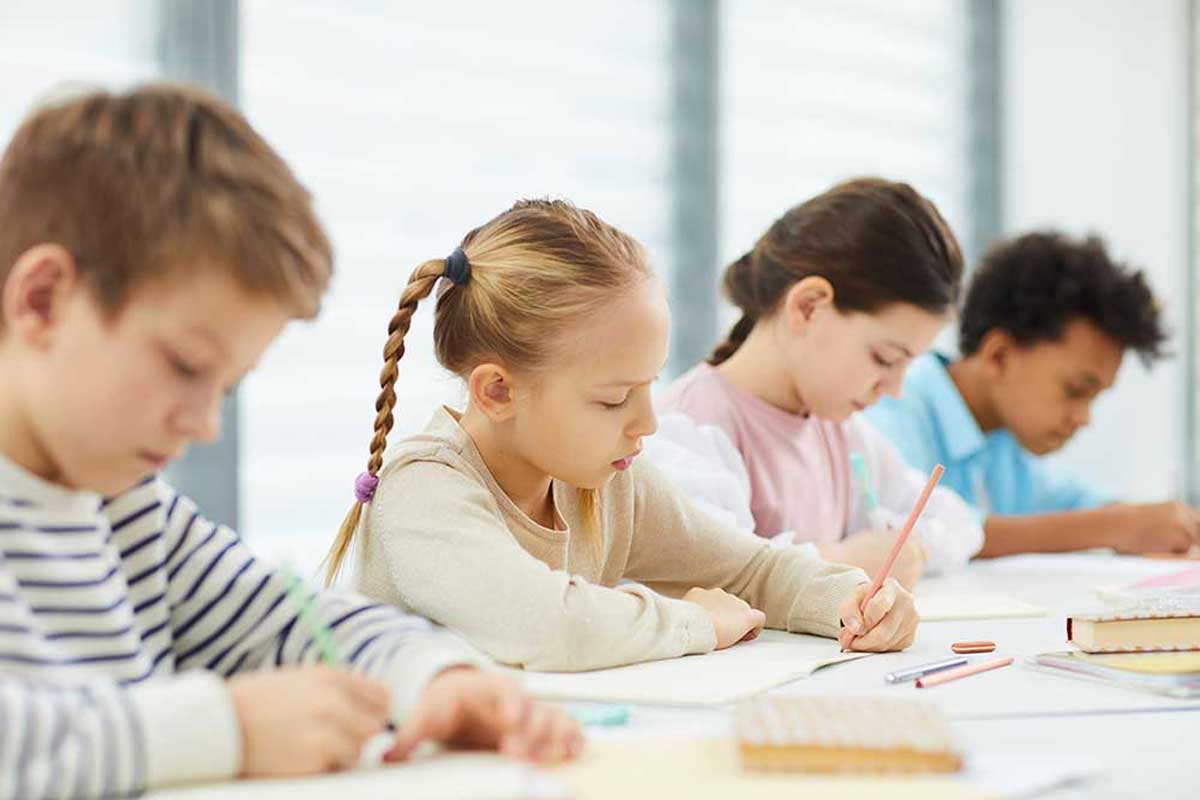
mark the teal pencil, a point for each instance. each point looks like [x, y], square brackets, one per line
[859, 464]
[305, 602]
[605, 717]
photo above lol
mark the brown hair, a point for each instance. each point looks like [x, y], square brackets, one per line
[142, 185]
[534, 270]
[877, 242]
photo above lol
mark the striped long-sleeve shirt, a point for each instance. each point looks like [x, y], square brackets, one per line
[119, 620]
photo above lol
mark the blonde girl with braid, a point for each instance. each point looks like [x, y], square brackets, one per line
[526, 521]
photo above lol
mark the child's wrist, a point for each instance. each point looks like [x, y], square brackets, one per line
[191, 726]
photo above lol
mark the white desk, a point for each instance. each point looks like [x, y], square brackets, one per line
[1148, 746]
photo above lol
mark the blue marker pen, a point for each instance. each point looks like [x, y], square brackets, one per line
[920, 671]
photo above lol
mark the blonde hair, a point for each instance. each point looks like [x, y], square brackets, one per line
[159, 180]
[536, 269]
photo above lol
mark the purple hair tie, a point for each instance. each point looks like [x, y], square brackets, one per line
[364, 487]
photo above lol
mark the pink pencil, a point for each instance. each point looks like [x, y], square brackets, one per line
[902, 537]
[938, 678]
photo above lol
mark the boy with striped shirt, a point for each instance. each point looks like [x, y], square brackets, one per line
[151, 247]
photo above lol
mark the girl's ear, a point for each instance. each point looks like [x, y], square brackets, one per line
[491, 389]
[36, 292]
[804, 299]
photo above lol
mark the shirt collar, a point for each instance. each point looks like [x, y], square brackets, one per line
[962, 437]
[18, 483]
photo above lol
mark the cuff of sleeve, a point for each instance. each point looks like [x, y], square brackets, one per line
[191, 728]
[948, 547]
[1094, 499]
[816, 609]
[695, 629]
[419, 661]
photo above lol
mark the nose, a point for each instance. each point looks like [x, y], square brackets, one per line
[645, 423]
[891, 385]
[201, 421]
[1082, 415]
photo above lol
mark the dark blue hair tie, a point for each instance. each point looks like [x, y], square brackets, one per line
[458, 269]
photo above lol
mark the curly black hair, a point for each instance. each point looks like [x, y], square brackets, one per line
[1035, 284]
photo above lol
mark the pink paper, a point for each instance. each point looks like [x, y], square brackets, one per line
[1187, 577]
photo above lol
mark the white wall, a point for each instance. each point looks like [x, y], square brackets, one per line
[413, 123]
[1095, 140]
[50, 49]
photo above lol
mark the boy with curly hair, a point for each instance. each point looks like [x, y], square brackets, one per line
[1046, 323]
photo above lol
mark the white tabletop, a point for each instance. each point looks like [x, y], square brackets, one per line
[1136, 745]
[1145, 744]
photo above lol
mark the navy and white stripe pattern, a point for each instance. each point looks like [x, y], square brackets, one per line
[97, 599]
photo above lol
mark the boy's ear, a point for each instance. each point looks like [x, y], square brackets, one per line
[492, 391]
[996, 351]
[804, 299]
[36, 291]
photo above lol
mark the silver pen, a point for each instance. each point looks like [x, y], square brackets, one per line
[920, 671]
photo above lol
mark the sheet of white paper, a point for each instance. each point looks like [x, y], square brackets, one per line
[723, 676]
[1019, 775]
[1086, 562]
[488, 777]
[446, 776]
[960, 606]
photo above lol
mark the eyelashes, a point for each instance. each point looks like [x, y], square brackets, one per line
[883, 363]
[183, 369]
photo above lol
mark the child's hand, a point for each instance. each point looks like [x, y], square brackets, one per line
[1169, 527]
[870, 550]
[464, 707]
[306, 720]
[889, 622]
[732, 617]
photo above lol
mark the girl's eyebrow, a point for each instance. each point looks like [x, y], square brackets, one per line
[900, 347]
[615, 384]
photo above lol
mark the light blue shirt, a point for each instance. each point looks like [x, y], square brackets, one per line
[931, 424]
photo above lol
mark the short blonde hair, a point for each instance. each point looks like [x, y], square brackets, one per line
[535, 270]
[141, 185]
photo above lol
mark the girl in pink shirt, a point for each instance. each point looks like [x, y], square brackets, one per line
[837, 298]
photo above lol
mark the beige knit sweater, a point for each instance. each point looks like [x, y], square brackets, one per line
[442, 539]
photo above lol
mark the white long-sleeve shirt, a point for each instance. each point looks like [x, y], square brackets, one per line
[703, 460]
[119, 621]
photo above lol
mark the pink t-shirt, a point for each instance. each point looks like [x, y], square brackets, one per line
[799, 467]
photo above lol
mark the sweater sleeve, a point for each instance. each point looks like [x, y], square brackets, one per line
[436, 543]
[232, 613]
[950, 529]
[677, 546]
[105, 740]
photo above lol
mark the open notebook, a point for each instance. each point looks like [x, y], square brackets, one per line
[717, 678]
[946, 607]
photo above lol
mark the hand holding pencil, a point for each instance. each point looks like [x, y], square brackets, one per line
[883, 616]
[888, 621]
